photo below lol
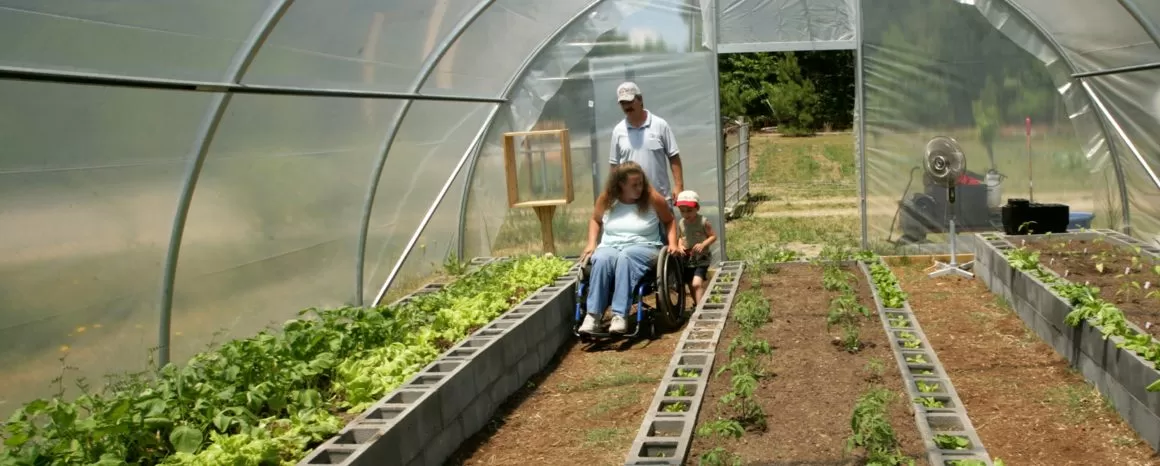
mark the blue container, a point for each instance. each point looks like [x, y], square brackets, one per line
[1077, 220]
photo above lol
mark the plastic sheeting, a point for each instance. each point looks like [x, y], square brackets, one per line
[567, 85]
[91, 176]
[930, 67]
[1096, 36]
[785, 25]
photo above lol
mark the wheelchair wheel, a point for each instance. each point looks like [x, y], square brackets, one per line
[670, 290]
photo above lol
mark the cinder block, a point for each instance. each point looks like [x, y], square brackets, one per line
[444, 444]
[478, 412]
[452, 385]
[529, 365]
[330, 455]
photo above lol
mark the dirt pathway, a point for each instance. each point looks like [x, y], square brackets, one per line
[584, 409]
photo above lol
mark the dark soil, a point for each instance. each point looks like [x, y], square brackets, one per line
[584, 409]
[1081, 260]
[813, 385]
[1028, 407]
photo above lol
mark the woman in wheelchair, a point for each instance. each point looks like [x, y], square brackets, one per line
[631, 214]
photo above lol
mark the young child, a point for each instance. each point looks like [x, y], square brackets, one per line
[696, 235]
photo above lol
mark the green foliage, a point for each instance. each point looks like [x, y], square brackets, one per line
[987, 119]
[889, 290]
[792, 98]
[267, 399]
[1088, 306]
[774, 88]
[871, 430]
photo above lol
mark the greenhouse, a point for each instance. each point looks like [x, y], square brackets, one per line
[258, 158]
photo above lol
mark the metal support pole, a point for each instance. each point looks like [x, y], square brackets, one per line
[1118, 70]
[719, 133]
[206, 131]
[80, 78]
[1150, 28]
[860, 115]
[425, 70]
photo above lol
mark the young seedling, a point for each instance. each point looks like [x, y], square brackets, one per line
[951, 442]
[871, 429]
[916, 359]
[909, 340]
[930, 402]
[876, 369]
[927, 387]
[719, 456]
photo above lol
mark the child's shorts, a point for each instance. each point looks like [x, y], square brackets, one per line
[698, 271]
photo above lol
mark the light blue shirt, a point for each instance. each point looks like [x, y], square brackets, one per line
[650, 145]
[625, 225]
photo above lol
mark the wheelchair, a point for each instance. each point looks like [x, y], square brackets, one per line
[664, 285]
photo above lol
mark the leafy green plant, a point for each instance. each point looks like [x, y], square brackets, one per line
[875, 369]
[994, 462]
[887, 284]
[267, 399]
[930, 402]
[909, 340]
[851, 339]
[871, 430]
[951, 442]
[1088, 306]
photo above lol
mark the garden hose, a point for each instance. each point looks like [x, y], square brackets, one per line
[900, 202]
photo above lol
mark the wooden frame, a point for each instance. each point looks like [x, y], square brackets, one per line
[509, 155]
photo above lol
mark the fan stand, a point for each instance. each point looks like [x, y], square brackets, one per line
[953, 268]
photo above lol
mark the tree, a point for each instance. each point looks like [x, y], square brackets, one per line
[792, 98]
[986, 111]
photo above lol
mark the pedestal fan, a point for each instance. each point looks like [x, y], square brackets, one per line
[945, 163]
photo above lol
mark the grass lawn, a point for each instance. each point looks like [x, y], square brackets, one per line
[804, 191]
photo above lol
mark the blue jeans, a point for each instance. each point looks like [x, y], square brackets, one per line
[614, 275]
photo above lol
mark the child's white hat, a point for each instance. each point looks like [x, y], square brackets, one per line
[688, 199]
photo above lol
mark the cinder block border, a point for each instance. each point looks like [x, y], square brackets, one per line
[665, 436]
[1118, 374]
[951, 419]
[424, 420]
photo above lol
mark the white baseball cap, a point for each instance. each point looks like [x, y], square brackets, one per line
[627, 91]
[688, 199]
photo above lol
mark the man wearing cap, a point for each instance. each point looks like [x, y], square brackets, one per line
[648, 140]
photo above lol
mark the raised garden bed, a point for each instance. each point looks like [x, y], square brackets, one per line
[941, 417]
[271, 398]
[1027, 405]
[664, 436]
[1114, 353]
[799, 374]
[1127, 276]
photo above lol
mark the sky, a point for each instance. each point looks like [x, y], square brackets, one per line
[656, 22]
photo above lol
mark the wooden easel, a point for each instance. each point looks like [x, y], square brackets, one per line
[545, 208]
